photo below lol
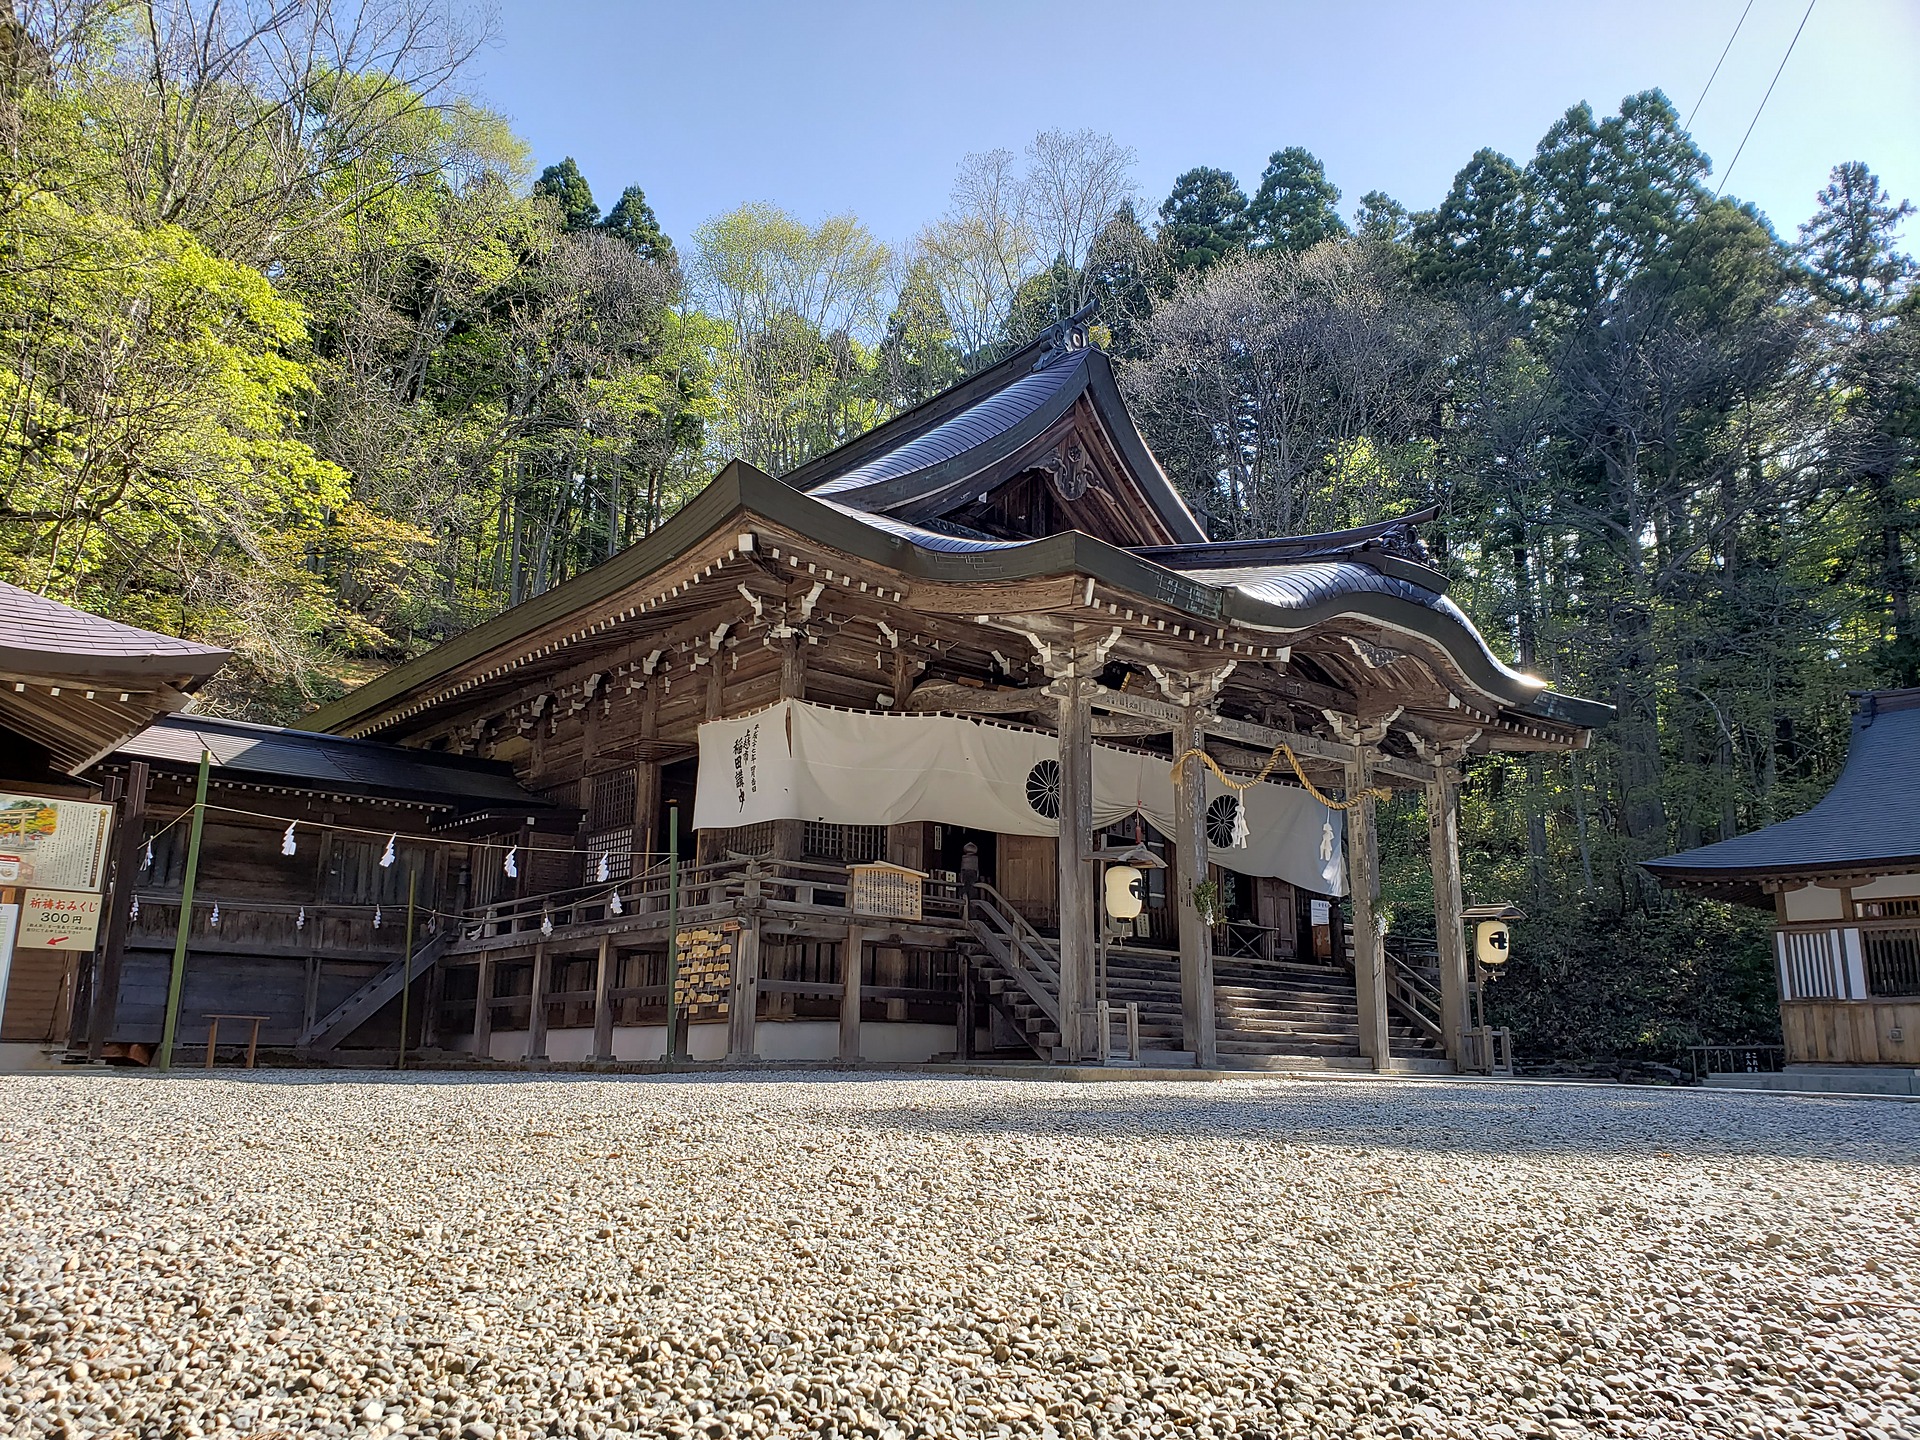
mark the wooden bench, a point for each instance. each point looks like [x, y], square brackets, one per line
[213, 1035]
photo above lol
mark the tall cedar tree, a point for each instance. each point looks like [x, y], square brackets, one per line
[1295, 207]
[1204, 220]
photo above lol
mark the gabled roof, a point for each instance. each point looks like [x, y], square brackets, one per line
[1868, 822]
[334, 764]
[945, 453]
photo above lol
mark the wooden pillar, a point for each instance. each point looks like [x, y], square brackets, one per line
[1189, 870]
[537, 1007]
[483, 1007]
[646, 782]
[126, 865]
[963, 1017]
[743, 999]
[430, 1019]
[851, 951]
[602, 1002]
[1079, 934]
[1443, 841]
[789, 836]
[1363, 880]
[706, 843]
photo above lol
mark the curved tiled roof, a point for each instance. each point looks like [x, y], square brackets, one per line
[39, 636]
[972, 428]
[1869, 820]
[1315, 583]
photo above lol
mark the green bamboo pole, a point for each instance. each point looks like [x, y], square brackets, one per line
[406, 967]
[177, 980]
[673, 928]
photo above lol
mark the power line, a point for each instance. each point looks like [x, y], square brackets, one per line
[1718, 63]
[1763, 100]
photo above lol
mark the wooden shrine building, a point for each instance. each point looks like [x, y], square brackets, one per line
[1843, 882]
[73, 686]
[906, 702]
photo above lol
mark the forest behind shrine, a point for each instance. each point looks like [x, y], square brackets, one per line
[306, 355]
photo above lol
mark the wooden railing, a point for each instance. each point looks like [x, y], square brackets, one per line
[1417, 998]
[1026, 955]
[801, 885]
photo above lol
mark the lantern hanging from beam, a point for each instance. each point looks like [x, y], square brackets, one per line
[1125, 892]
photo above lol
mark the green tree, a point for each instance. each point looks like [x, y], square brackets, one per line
[1295, 207]
[633, 223]
[918, 357]
[1382, 220]
[567, 188]
[1204, 219]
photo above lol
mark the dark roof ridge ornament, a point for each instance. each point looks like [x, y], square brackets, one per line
[1065, 338]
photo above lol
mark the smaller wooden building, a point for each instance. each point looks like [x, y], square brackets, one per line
[72, 687]
[291, 936]
[1843, 881]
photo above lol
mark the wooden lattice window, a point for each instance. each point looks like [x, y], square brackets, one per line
[849, 844]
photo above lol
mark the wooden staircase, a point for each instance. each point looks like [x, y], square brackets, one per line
[1018, 966]
[1266, 1016]
[363, 1004]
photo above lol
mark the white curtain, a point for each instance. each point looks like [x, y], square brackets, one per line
[796, 761]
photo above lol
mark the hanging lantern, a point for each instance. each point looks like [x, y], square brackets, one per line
[287, 847]
[1126, 892]
[1329, 866]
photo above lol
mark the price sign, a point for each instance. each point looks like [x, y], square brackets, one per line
[59, 920]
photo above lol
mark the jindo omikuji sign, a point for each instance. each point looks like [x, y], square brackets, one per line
[53, 844]
[59, 920]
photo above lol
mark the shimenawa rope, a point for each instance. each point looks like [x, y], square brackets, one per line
[1351, 803]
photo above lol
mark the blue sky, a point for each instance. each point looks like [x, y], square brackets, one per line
[868, 107]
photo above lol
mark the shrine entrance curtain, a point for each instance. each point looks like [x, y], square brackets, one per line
[799, 761]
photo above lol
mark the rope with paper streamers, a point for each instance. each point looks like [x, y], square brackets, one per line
[1351, 803]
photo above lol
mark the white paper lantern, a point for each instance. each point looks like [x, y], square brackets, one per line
[1125, 892]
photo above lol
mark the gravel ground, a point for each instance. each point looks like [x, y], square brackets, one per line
[291, 1255]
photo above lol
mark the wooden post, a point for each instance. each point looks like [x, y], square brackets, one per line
[430, 1011]
[646, 782]
[852, 949]
[1078, 931]
[537, 1007]
[602, 1003]
[963, 1019]
[406, 967]
[483, 1007]
[743, 1000]
[1189, 870]
[672, 1051]
[126, 865]
[789, 836]
[176, 980]
[1363, 879]
[1443, 842]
